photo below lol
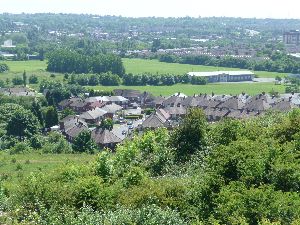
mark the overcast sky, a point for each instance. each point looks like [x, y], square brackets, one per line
[160, 8]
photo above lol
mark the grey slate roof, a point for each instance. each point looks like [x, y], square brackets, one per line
[157, 119]
[93, 114]
[232, 103]
[112, 108]
[74, 129]
[284, 106]
[172, 101]
[175, 110]
[103, 136]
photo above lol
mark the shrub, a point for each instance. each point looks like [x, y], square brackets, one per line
[33, 79]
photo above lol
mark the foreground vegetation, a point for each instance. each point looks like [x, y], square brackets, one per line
[232, 172]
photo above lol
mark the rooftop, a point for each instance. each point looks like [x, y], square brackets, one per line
[217, 73]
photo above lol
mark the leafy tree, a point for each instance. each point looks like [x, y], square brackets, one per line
[22, 123]
[67, 112]
[106, 124]
[36, 109]
[3, 67]
[191, 135]
[33, 79]
[17, 81]
[50, 116]
[84, 143]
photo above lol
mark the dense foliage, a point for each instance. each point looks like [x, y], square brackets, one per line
[233, 172]
[278, 62]
[3, 67]
[67, 61]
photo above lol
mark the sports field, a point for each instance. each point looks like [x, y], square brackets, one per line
[138, 66]
[188, 89]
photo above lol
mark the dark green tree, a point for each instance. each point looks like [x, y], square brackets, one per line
[67, 112]
[191, 135]
[24, 78]
[106, 124]
[51, 116]
[36, 109]
[84, 143]
[22, 123]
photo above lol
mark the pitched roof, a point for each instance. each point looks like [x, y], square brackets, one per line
[93, 114]
[112, 108]
[257, 104]
[158, 100]
[241, 114]
[173, 100]
[232, 103]
[284, 106]
[103, 136]
[191, 101]
[74, 129]
[154, 121]
[176, 110]
[67, 102]
[163, 113]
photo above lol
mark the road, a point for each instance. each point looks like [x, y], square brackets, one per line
[117, 130]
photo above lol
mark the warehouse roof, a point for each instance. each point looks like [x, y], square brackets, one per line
[217, 73]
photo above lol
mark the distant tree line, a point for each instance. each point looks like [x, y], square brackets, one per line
[109, 79]
[278, 62]
[67, 61]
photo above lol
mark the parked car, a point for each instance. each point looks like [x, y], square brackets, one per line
[124, 132]
[129, 123]
[130, 127]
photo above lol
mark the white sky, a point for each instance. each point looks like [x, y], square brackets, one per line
[160, 8]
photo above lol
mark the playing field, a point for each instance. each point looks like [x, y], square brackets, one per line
[138, 66]
[230, 88]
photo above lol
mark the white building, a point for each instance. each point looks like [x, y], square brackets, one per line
[224, 76]
[8, 44]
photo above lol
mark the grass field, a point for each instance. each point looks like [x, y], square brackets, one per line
[137, 66]
[230, 88]
[154, 66]
[13, 167]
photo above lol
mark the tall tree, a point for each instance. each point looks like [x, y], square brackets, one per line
[84, 143]
[24, 78]
[51, 116]
[191, 135]
[22, 124]
[36, 109]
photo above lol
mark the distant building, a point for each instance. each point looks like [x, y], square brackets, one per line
[224, 76]
[291, 37]
[8, 44]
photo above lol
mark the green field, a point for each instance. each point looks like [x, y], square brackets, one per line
[13, 167]
[137, 66]
[188, 89]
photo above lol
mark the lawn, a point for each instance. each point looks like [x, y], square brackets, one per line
[36, 67]
[137, 66]
[217, 88]
[14, 167]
